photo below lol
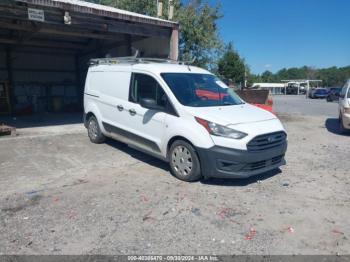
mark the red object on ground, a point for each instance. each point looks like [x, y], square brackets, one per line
[290, 229]
[223, 212]
[265, 107]
[144, 198]
[250, 234]
[336, 231]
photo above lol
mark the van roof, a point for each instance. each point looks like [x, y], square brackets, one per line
[156, 68]
[169, 68]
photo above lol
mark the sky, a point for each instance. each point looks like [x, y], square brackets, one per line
[273, 34]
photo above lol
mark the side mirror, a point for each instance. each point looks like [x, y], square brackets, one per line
[150, 103]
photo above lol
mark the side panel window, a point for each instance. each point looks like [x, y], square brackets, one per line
[145, 86]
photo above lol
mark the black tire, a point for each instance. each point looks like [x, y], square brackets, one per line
[94, 131]
[190, 171]
[342, 129]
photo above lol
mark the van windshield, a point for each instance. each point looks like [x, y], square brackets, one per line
[200, 90]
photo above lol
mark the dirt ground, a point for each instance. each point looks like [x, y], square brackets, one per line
[61, 194]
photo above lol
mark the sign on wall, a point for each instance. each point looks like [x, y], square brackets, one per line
[36, 15]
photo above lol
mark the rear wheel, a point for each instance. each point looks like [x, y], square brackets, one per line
[184, 161]
[94, 131]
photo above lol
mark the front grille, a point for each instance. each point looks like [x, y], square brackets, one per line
[263, 164]
[276, 159]
[267, 141]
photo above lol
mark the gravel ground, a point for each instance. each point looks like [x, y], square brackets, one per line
[60, 194]
[300, 105]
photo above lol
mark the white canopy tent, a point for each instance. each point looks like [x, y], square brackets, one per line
[275, 88]
[299, 82]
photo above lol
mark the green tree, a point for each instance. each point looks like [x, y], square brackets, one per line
[145, 7]
[331, 77]
[199, 39]
[252, 78]
[231, 66]
[267, 77]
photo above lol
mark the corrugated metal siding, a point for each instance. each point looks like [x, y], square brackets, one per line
[100, 10]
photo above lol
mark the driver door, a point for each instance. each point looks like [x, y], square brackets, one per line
[148, 126]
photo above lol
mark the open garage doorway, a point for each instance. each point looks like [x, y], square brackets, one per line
[45, 47]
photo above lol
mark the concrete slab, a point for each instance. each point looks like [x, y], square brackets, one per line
[61, 194]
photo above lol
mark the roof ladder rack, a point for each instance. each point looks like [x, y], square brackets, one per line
[130, 60]
[135, 60]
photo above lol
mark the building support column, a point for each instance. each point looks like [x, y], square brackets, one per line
[80, 85]
[129, 45]
[174, 44]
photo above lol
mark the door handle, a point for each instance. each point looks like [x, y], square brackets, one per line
[132, 112]
[120, 107]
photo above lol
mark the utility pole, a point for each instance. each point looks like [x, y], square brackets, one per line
[245, 77]
[159, 8]
[171, 9]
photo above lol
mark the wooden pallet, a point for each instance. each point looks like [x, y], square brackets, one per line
[7, 130]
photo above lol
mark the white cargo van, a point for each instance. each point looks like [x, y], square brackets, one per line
[182, 114]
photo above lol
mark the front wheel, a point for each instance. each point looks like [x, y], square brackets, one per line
[342, 129]
[184, 161]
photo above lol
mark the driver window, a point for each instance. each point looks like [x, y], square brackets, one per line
[145, 86]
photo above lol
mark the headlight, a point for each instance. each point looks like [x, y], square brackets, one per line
[219, 130]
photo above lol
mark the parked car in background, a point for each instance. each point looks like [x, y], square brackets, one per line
[319, 93]
[333, 94]
[344, 108]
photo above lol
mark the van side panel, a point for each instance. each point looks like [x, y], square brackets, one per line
[110, 84]
[104, 91]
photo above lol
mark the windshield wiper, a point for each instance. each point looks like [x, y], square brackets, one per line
[227, 104]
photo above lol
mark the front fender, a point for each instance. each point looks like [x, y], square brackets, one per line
[192, 131]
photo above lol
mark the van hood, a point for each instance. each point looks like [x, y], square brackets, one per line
[231, 115]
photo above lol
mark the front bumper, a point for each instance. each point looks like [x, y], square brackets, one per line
[346, 121]
[225, 162]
